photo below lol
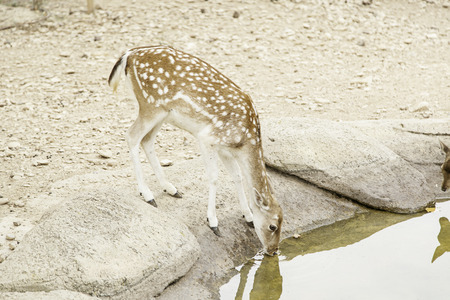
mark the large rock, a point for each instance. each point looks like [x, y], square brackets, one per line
[52, 295]
[416, 141]
[342, 159]
[107, 244]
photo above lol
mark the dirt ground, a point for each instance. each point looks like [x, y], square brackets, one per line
[338, 60]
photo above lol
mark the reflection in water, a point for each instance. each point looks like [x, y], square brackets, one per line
[391, 251]
[267, 281]
[443, 238]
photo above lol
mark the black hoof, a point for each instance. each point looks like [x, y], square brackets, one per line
[250, 224]
[152, 202]
[216, 231]
[177, 195]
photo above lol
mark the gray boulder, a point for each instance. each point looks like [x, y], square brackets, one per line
[106, 244]
[53, 295]
[416, 141]
[342, 159]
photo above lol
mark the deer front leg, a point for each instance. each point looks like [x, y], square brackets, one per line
[233, 168]
[148, 144]
[212, 172]
[137, 132]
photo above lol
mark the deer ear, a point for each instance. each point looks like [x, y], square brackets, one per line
[444, 147]
[260, 201]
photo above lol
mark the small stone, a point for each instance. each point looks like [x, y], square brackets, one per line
[421, 107]
[306, 26]
[41, 162]
[4, 201]
[2, 259]
[322, 101]
[366, 2]
[17, 223]
[10, 237]
[361, 43]
[408, 41]
[105, 153]
[19, 203]
[296, 236]
[236, 14]
[166, 162]
[13, 145]
[432, 36]
[12, 246]
[97, 38]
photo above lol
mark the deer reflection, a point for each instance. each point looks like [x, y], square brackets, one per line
[267, 283]
[443, 238]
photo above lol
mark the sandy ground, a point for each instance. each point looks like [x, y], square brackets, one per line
[338, 61]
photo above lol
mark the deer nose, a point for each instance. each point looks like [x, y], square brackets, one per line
[272, 253]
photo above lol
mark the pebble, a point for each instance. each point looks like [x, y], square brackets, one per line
[10, 237]
[17, 223]
[105, 153]
[4, 201]
[296, 236]
[166, 162]
[13, 145]
[19, 203]
[361, 43]
[236, 14]
[421, 107]
[41, 162]
[4, 102]
[322, 101]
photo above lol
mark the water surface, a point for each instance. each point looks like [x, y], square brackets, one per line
[372, 256]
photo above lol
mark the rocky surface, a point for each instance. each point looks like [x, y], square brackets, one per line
[305, 207]
[102, 243]
[346, 161]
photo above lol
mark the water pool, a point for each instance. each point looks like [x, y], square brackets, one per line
[372, 256]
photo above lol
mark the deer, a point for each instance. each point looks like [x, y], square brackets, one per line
[445, 168]
[175, 87]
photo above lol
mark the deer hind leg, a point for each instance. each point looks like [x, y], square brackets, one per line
[234, 170]
[140, 128]
[210, 158]
[148, 144]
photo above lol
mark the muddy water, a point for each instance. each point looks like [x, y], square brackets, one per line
[373, 256]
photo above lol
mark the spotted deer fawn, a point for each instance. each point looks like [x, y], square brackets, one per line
[178, 88]
[445, 168]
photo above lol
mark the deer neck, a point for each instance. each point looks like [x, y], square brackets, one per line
[259, 176]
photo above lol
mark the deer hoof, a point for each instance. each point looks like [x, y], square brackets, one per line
[250, 224]
[152, 202]
[177, 195]
[216, 231]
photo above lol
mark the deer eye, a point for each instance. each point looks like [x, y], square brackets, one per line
[272, 227]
